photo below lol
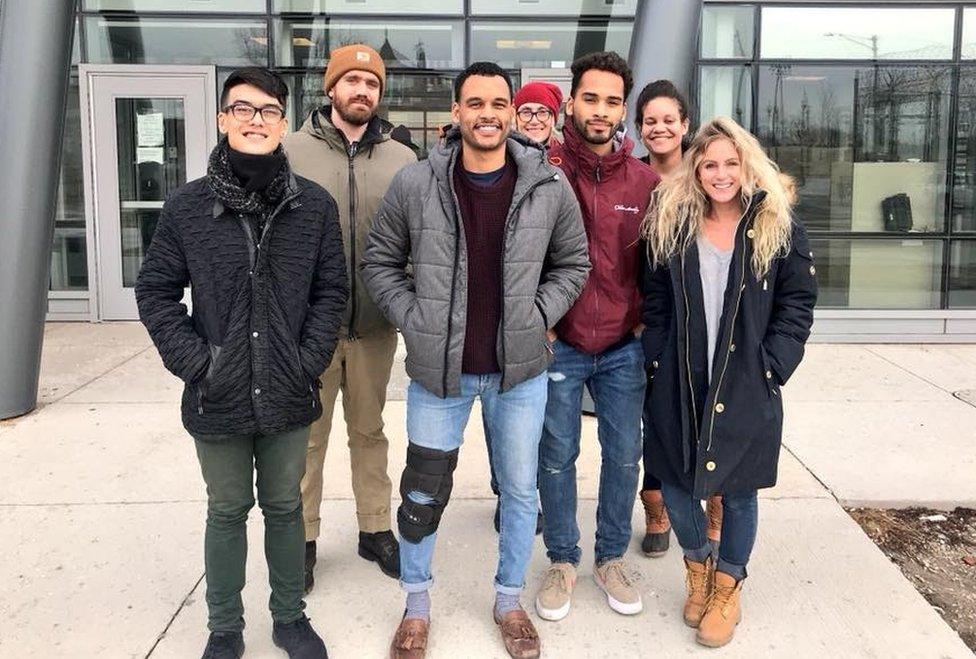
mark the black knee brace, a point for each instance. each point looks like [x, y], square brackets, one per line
[431, 472]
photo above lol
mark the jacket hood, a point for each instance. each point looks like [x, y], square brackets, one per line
[588, 163]
[529, 157]
[319, 125]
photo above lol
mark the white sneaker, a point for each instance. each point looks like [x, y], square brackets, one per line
[555, 596]
[613, 577]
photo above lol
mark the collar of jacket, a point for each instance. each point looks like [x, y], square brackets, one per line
[319, 124]
[587, 163]
[293, 189]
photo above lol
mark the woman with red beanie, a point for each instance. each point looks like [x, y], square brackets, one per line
[537, 106]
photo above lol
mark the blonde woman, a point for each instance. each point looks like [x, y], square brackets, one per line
[729, 291]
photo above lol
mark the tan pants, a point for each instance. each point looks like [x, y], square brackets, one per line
[361, 368]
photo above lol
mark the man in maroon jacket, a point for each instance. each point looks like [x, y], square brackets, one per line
[597, 343]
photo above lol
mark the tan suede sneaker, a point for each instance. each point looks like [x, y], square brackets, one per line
[723, 612]
[613, 577]
[556, 594]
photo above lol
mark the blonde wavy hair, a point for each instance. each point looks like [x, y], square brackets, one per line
[680, 203]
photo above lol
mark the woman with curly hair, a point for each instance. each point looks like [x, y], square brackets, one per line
[729, 291]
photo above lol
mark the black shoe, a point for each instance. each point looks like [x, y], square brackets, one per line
[224, 645]
[656, 544]
[299, 640]
[383, 548]
[309, 566]
[498, 519]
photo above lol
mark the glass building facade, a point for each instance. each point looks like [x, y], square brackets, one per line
[870, 106]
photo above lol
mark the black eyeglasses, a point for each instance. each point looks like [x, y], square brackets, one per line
[271, 114]
[527, 114]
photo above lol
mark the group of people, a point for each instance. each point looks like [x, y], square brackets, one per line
[520, 263]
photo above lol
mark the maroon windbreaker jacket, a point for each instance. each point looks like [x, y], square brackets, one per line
[613, 193]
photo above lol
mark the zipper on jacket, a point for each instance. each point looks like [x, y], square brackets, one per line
[351, 154]
[457, 258]
[691, 384]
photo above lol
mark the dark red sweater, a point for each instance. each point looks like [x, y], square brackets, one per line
[483, 212]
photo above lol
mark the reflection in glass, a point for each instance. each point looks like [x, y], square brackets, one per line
[402, 44]
[726, 32]
[545, 45]
[969, 33]
[152, 163]
[176, 41]
[402, 7]
[878, 274]
[726, 91]
[962, 274]
[868, 33]
[867, 145]
[545, 8]
[964, 175]
[256, 6]
[69, 258]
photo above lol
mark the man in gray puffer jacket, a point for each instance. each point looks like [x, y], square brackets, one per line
[497, 250]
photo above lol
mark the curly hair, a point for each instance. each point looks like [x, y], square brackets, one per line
[659, 89]
[608, 61]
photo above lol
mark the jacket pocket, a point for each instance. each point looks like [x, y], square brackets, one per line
[768, 376]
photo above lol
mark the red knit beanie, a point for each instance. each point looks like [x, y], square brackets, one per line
[545, 93]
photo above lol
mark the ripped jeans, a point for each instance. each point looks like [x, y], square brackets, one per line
[616, 380]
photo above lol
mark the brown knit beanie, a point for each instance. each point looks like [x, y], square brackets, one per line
[355, 57]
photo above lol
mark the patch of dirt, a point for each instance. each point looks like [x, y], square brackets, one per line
[936, 550]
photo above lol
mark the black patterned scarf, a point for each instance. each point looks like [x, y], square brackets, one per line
[231, 191]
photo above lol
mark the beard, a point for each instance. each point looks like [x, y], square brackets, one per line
[584, 132]
[356, 117]
[470, 138]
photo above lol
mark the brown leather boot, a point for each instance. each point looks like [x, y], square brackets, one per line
[519, 634]
[722, 612]
[410, 639]
[713, 510]
[657, 537]
[698, 580]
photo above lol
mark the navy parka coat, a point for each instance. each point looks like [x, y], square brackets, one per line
[722, 434]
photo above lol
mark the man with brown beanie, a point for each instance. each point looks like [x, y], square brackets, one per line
[347, 148]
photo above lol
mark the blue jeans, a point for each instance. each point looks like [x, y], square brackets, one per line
[514, 421]
[616, 380]
[740, 521]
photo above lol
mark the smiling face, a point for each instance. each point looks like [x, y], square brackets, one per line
[255, 136]
[355, 96]
[662, 128]
[484, 112]
[537, 127]
[598, 107]
[720, 172]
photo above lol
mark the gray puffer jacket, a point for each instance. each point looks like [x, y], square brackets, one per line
[544, 265]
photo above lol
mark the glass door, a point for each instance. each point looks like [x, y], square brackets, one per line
[149, 131]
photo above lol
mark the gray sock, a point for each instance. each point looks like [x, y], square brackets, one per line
[505, 603]
[418, 605]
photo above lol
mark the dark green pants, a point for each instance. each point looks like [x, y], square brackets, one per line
[228, 463]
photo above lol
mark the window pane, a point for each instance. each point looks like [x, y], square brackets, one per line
[726, 91]
[69, 259]
[176, 41]
[726, 32]
[857, 33]
[403, 44]
[878, 274]
[370, 6]
[867, 145]
[257, 6]
[969, 33]
[962, 274]
[964, 181]
[542, 8]
[545, 45]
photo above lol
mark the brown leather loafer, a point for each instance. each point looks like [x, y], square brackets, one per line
[410, 640]
[519, 634]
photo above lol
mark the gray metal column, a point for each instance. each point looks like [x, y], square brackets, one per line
[35, 59]
[664, 45]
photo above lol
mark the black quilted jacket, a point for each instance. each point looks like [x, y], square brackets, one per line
[266, 308]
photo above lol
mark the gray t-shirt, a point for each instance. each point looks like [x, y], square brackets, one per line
[714, 269]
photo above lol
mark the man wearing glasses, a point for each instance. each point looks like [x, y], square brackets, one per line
[536, 110]
[261, 252]
[347, 148]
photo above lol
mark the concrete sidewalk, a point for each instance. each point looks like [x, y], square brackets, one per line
[102, 519]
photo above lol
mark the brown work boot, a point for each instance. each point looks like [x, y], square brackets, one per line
[519, 634]
[723, 611]
[713, 510]
[698, 580]
[410, 640]
[658, 534]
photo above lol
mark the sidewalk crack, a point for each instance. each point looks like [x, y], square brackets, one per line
[169, 624]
